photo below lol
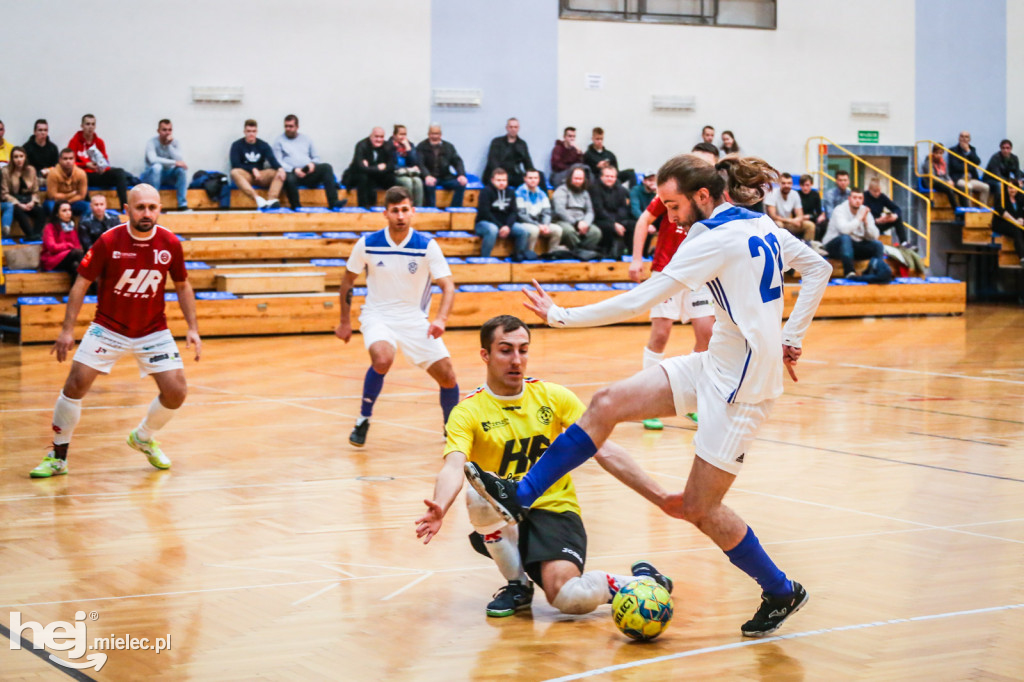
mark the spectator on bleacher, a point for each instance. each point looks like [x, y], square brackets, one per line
[42, 152]
[5, 146]
[510, 152]
[535, 212]
[852, 233]
[834, 196]
[884, 210]
[1009, 218]
[786, 209]
[18, 186]
[302, 165]
[574, 211]
[92, 226]
[564, 156]
[165, 164]
[438, 158]
[498, 216]
[612, 213]
[729, 144]
[810, 200]
[964, 175]
[707, 134]
[67, 182]
[643, 194]
[1006, 165]
[62, 252]
[91, 156]
[250, 158]
[935, 165]
[597, 155]
[408, 173]
[372, 167]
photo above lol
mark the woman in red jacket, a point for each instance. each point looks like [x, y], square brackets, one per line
[62, 252]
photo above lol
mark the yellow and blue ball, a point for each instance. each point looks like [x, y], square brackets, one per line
[642, 609]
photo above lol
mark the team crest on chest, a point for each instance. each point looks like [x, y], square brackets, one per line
[413, 267]
[545, 414]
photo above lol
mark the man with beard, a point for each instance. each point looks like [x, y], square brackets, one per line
[132, 262]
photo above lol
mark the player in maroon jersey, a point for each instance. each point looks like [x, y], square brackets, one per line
[693, 306]
[131, 262]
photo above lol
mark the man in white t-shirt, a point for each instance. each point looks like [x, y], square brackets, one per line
[400, 264]
[741, 255]
[852, 233]
[785, 208]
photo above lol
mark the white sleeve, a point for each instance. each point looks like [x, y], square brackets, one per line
[815, 272]
[357, 259]
[699, 258]
[438, 265]
[617, 308]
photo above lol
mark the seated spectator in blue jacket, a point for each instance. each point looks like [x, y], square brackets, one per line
[253, 163]
[884, 210]
[643, 194]
[497, 216]
[965, 175]
[1006, 165]
[165, 164]
[96, 222]
[535, 212]
[443, 168]
[302, 165]
[408, 173]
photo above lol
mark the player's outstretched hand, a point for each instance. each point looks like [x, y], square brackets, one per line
[790, 355]
[538, 301]
[436, 329]
[192, 339]
[65, 341]
[343, 331]
[429, 524]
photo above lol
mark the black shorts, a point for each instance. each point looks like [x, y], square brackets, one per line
[545, 536]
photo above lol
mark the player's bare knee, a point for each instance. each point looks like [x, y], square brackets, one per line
[603, 404]
[381, 366]
[173, 397]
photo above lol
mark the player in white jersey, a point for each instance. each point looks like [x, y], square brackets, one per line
[741, 255]
[400, 264]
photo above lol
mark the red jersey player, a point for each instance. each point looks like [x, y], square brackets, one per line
[694, 307]
[132, 262]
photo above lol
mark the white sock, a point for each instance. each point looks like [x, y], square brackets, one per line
[652, 359]
[361, 419]
[260, 202]
[587, 592]
[66, 414]
[156, 418]
[503, 546]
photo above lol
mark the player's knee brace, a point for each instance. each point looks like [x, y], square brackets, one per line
[583, 594]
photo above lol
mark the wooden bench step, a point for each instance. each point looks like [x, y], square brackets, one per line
[198, 199]
[263, 282]
[241, 222]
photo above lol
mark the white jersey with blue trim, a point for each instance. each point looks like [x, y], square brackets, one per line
[398, 276]
[741, 255]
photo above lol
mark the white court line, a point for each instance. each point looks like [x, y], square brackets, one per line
[255, 568]
[315, 594]
[400, 590]
[778, 638]
[949, 375]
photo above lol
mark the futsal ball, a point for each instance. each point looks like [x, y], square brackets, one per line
[642, 609]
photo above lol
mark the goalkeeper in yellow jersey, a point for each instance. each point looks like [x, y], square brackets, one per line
[505, 426]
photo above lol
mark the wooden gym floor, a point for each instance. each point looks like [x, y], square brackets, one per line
[889, 480]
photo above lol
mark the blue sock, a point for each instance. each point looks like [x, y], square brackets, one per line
[449, 398]
[372, 384]
[569, 450]
[749, 556]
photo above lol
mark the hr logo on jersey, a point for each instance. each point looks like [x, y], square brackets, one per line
[519, 461]
[139, 282]
[161, 257]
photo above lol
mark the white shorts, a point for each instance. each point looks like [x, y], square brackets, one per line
[686, 305]
[101, 349]
[725, 430]
[406, 334]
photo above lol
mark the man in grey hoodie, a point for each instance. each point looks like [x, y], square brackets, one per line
[574, 212]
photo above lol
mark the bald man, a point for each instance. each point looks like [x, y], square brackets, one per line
[132, 262]
[372, 168]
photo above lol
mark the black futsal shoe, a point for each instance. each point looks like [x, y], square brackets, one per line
[499, 492]
[645, 568]
[358, 435]
[774, 611]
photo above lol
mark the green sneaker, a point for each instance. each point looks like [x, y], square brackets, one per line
[692, 416]
[653, 424]
[150, 448]
[50, 466]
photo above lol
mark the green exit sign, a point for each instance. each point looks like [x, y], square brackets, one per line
[867, 136]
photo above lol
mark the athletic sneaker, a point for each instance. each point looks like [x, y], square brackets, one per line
[511, 598]
[358, 435]
[692, 416]
[499, 492]
[644, 568]
[150, 448]
[50, 466]
[653, 424]
[273, 203]
[773, 611]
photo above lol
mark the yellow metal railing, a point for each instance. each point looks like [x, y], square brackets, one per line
[932, 178]
[821, 146]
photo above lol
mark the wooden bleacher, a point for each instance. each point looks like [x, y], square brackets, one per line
[198, 199]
